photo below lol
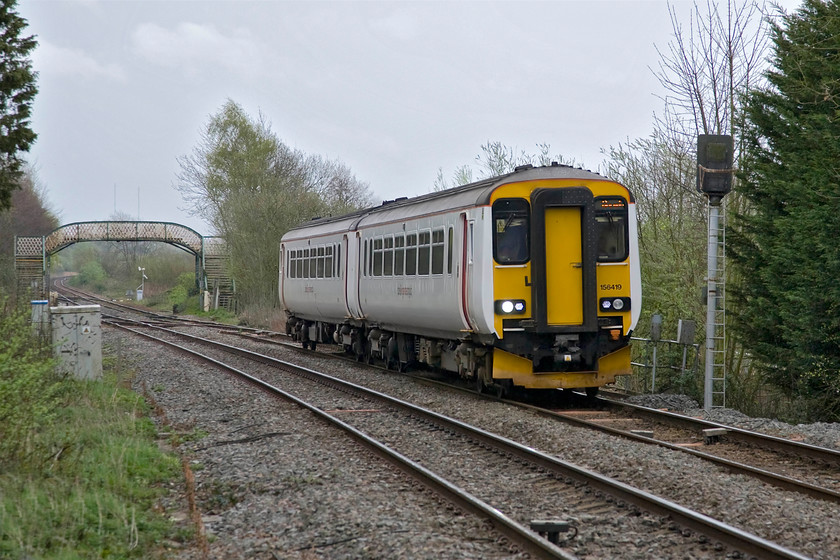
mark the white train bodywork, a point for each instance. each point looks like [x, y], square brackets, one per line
[350, 280]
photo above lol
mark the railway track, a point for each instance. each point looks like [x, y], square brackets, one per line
[790, 465]
[787, 464]
[506, 460]
[796, 465]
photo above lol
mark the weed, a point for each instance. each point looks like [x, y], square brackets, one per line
[82, 472]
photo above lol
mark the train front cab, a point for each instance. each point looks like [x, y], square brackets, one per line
[565, 281]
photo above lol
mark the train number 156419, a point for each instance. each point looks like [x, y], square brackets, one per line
[610, 287]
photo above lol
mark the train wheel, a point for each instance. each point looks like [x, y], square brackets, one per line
[592, 392]
[502, 388]
[479, 384]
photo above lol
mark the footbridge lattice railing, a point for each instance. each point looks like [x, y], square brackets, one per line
[32, 252]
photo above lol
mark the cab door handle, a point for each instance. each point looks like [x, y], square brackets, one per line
[577, 265]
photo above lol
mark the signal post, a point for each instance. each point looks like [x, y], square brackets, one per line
[714, 178]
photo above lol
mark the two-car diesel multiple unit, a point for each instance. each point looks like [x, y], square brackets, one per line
[529, 279]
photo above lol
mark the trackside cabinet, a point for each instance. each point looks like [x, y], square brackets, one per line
[77, 339]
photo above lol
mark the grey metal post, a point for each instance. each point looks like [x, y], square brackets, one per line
[685, 336]
[715, 155]
[655, 336]
[653, 374]
[711, 300]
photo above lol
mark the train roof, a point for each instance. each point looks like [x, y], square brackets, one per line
[465, 196]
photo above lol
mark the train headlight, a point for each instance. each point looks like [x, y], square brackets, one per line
[510, 307]
[615, 304]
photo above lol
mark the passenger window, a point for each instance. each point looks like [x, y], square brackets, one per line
[511, 231]
[388, 264]
[399, 255]
[411, 254]
[377, 257]
[611, 225]
[423, 253]
[367, 261]
[449, 252]
[437, 251]
[328, 261]
[319, 263]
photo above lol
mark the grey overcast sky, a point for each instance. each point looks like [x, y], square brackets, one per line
[395, 90]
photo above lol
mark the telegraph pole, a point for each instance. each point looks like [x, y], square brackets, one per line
[714, 178]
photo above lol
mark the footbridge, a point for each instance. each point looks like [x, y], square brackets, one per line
[32, 254]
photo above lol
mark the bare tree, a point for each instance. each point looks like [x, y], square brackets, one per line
[122, 258]
[705, 70]
[29, 214]
[339, 189]
[707, 67]
[497, 159]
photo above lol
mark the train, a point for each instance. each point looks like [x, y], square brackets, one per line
[526, 280]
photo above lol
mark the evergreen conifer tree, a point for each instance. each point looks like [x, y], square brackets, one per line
[787, 246]
[17, 91]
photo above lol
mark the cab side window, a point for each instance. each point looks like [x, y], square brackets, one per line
[611, 224]
[511, 231]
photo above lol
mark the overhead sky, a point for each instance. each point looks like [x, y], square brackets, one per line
[395, 90]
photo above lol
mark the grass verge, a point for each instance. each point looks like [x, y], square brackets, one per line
[94, 489]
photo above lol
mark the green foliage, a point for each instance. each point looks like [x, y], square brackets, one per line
[17, 93]
[187, 282]
[177, 298]
[92, 276]
[253, 188]
[93, 489]
[164, 267]
[785, 247]
[30, 391]
[74, 257]
[183, 293]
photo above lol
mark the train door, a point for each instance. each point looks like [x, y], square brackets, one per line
[352, 273]
[563, 260]
[465, 267]
[563, 266]
[283, 271]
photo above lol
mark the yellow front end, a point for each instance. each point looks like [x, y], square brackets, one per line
[575, 286]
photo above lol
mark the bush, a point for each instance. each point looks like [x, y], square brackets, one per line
[30, 390]
[91, 489]
[178, 299]
[187, 281]
[93, 276]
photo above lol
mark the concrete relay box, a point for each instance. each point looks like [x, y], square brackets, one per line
[77, 338]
